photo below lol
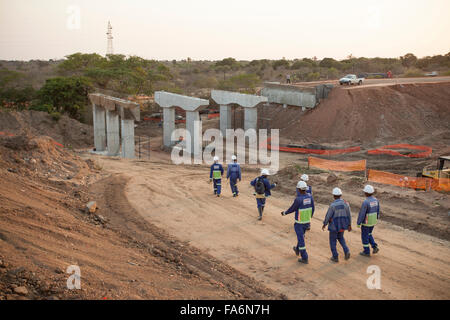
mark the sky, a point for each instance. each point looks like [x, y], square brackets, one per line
[217, 29]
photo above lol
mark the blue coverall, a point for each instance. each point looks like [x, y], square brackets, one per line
[261, 202]
[367, 219]
[338, 218]
[303, 207]
[234, 173]
[216, 174]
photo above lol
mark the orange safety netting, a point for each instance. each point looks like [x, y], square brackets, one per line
[152, 119]
[441, 184]
[213, 115]
[399, 180]
[359, 165]
[312, 151]
[426, 151]
[6, 134]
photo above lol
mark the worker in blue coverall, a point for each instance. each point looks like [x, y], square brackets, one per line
[215, 175]
[262, 190]
[338, 219]
[303, 207]
[305, 178]
[234, 173]
[367, 219]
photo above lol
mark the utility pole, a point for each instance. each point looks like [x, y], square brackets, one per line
[109, 49]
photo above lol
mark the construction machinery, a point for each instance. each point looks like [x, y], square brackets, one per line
[442, 171]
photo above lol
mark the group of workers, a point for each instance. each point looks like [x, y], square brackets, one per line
[338, 217]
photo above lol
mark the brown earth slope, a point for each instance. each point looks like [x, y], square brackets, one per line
[66, 131]
[44, 229]
[387, 113]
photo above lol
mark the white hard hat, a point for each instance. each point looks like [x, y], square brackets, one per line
[233, 157]
[265, 172]
[337, 192]
[216, 158]
[304, 177]
[369, 189]
[302, 185]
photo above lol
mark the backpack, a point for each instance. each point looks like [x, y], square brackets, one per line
[260, 188]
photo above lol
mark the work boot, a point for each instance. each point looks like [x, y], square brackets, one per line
[334, 259]
[297, 252]
[218, 195]
[260, 218]
[347, 256]
[375, 250]
[303, 261]
[260, 210]
[234, 195]
[365, 254]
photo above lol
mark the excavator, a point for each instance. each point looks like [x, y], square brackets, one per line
[442, 171]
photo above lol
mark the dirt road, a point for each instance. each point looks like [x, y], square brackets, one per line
[380, 82]
[179, 200]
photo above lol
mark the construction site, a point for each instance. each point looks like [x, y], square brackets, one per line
[172, 166]
[140, 227]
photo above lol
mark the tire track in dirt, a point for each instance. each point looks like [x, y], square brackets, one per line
[225, 225]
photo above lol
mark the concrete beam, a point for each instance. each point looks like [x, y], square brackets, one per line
[169, 100]
[112, 135]
[128, 150]
[99, 117]
[127, 109]
[290, 95]
[225, 118]
[245, 100]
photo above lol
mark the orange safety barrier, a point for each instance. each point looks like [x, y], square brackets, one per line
[426, 151]
[152, 119]
[441, 184]
[359, 165]
[312, 151]
[399, 180]
[2, 133]
[213, 115]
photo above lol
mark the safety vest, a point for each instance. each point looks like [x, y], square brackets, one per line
[217, 174]
[304, 214]
[371, 217]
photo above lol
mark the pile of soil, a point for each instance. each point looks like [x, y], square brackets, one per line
[41, 157]
[372, 114]
[67, 131]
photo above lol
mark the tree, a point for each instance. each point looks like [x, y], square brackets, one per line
[327, 63]
[65, 95]
[408, 60]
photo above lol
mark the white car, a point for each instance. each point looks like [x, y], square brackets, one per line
[351, 79]
[432, 74]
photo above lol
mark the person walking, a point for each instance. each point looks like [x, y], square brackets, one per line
[262, 190]
[338, 219]
[215, 176]
[303, 207]
[234, 173]
[367, 219]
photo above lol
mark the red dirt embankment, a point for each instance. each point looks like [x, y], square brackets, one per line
[66, 130]
[388, 113]
[44, 228]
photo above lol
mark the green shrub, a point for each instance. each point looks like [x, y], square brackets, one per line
[413, 72]
[55, 116]
[245, 82]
